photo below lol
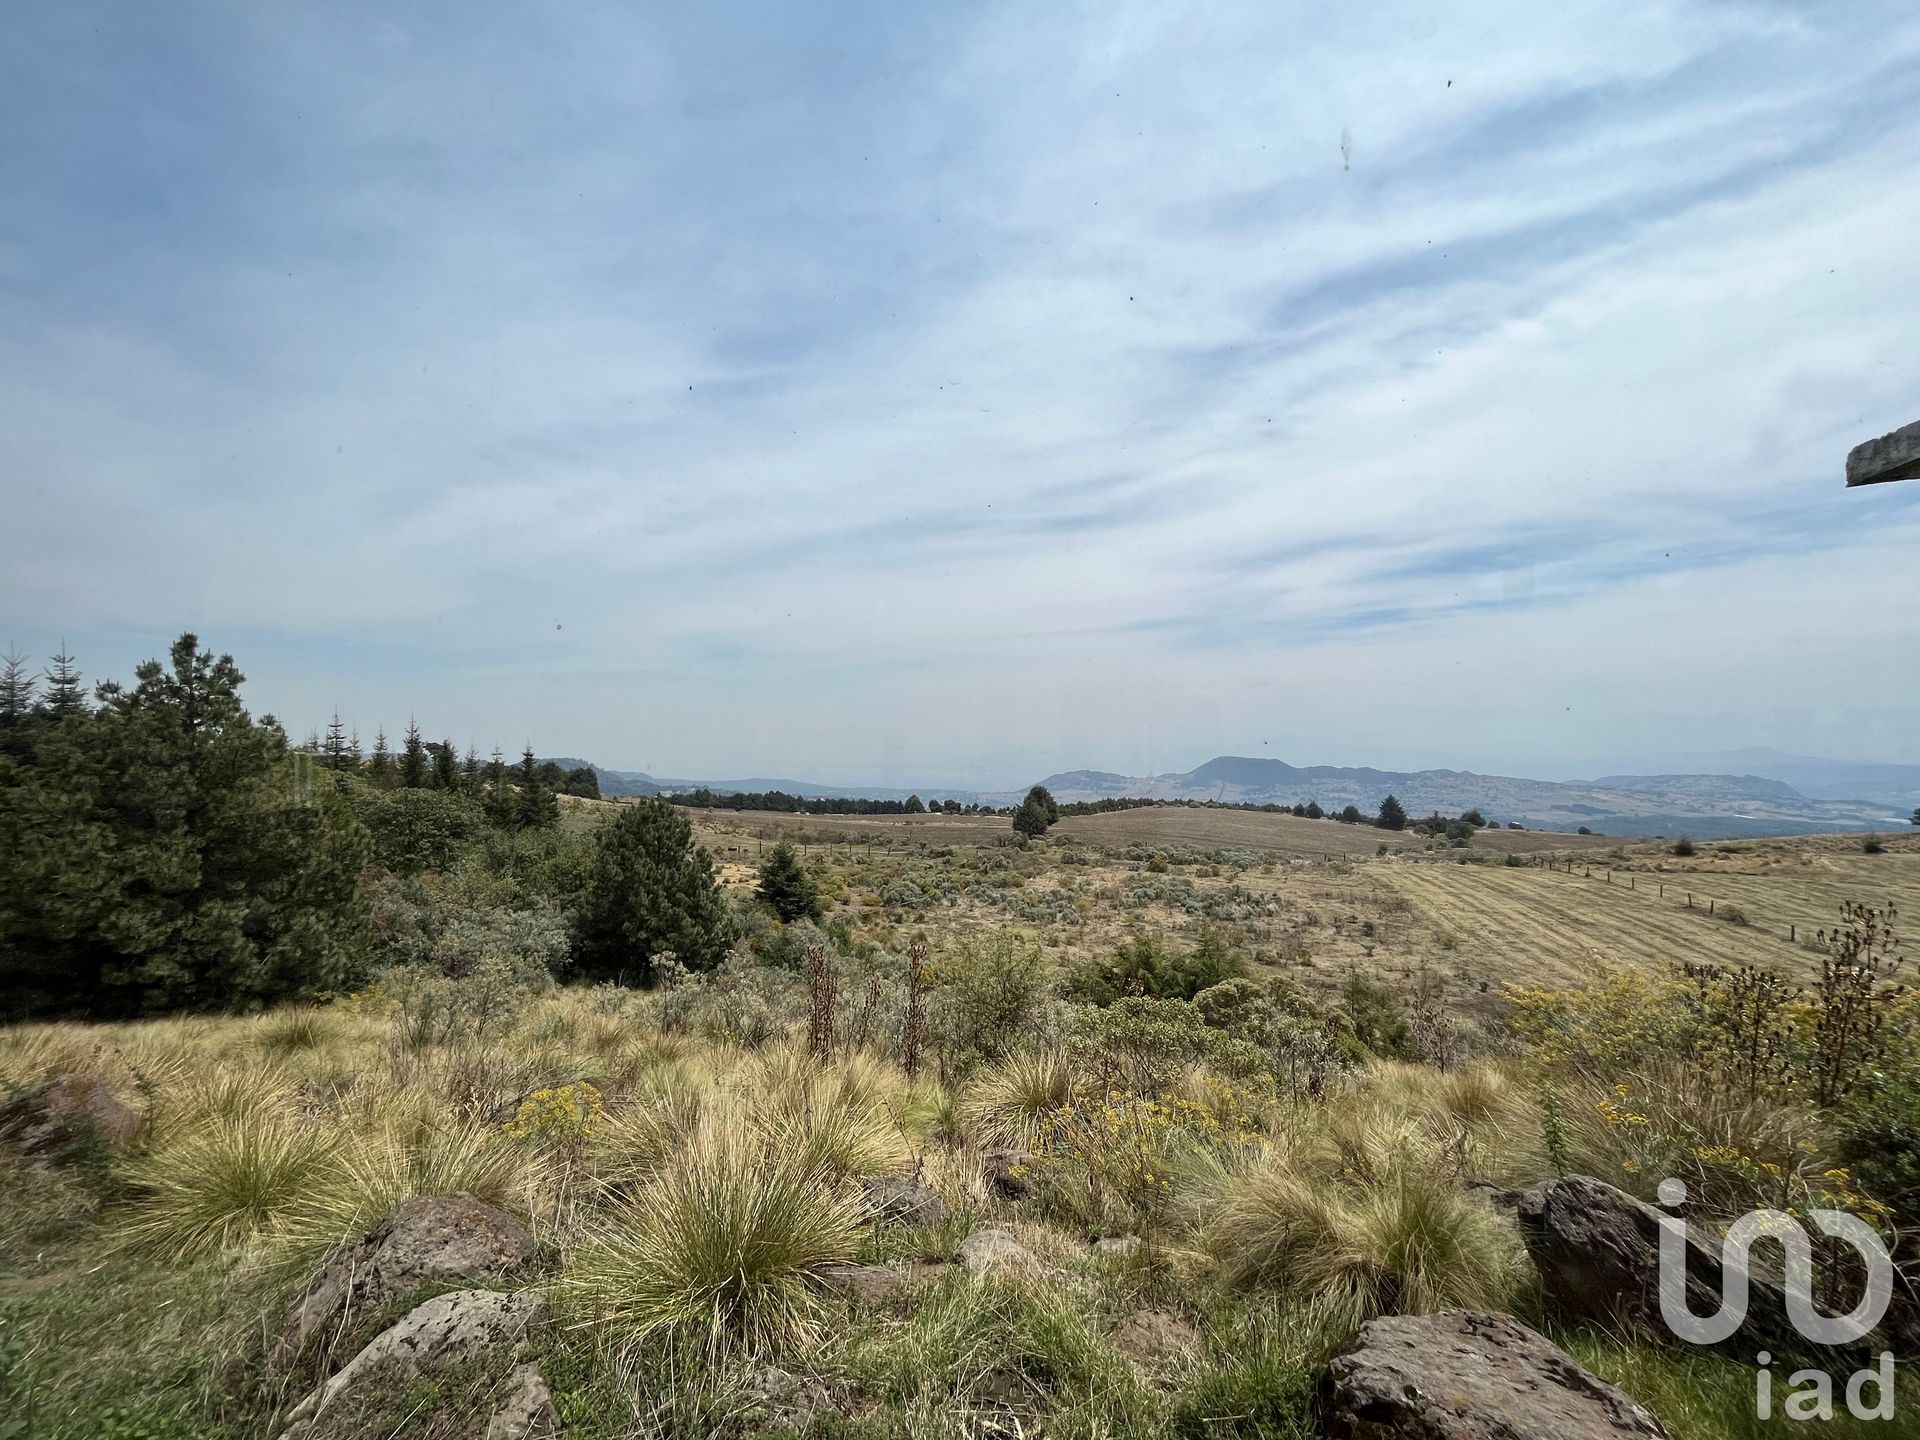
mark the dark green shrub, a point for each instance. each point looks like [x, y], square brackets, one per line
[1880, 1141]
[1142, 965]
[786, 886]
[416, 830]
[650, 891]
[1376, 1020]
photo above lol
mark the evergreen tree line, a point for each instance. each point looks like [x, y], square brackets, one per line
[706, 799]
[422, 764]
[1039, 803]
[161, 849]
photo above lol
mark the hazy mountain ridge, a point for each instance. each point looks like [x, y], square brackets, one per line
[1704, 805]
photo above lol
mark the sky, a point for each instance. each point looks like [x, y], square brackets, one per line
[953, 394]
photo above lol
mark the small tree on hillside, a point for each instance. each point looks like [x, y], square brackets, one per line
[16, 705]
[915, 806]
[380, 767]
[413, 758]
[1916, 814]
[537, 806]
[1314, 812]
[1035, 814]
[334, 747]
[650, 891]
[786, 886]
[1393, 815]
[446, 767]
[65, 693]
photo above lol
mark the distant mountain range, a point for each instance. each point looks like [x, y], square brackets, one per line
[1701, 805]
[1765, 793]
[617, 784]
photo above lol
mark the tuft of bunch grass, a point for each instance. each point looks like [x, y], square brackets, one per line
[221, 1185]
[294, 1029]
[376, 1170]
[719, 1251]
[1408, 1241]
[839, 1120]
[1012, 1103]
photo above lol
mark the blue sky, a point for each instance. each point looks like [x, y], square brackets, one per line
[952, 394]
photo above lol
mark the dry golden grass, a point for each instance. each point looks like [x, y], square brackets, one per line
[1545, 926]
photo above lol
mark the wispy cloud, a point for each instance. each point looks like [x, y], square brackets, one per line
[900, 391]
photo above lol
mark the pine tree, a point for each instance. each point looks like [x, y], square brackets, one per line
[157, 857]
[1392, 815]
[786, 886]
[65, 693]
[914, 806]
[1035, 813]
[413, 758]
[537, 806]
[446, 769]
[335, 746]
[380, 767]
[470, 772]
[17, 685]
[649, 891]
[498, 801]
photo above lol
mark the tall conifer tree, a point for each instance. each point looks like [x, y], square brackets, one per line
[446, 769]
[66, 693]
[334, 748]
[380, 767]
[537, 806]
[413, 758]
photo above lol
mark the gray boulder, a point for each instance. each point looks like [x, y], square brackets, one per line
[429, 1239]
[1462, 1376]
[526, 1411]
[1598, 1253]
[58, 1122]
[869, 1284]
[903, 1202]
[1008, 1173]
[446, 1332]
[987, 1251]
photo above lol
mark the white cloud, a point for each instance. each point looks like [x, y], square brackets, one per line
[966, 400]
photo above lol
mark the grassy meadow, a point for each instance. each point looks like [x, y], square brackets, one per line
[1225, 1089]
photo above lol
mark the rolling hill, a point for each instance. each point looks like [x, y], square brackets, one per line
[1701, 805]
